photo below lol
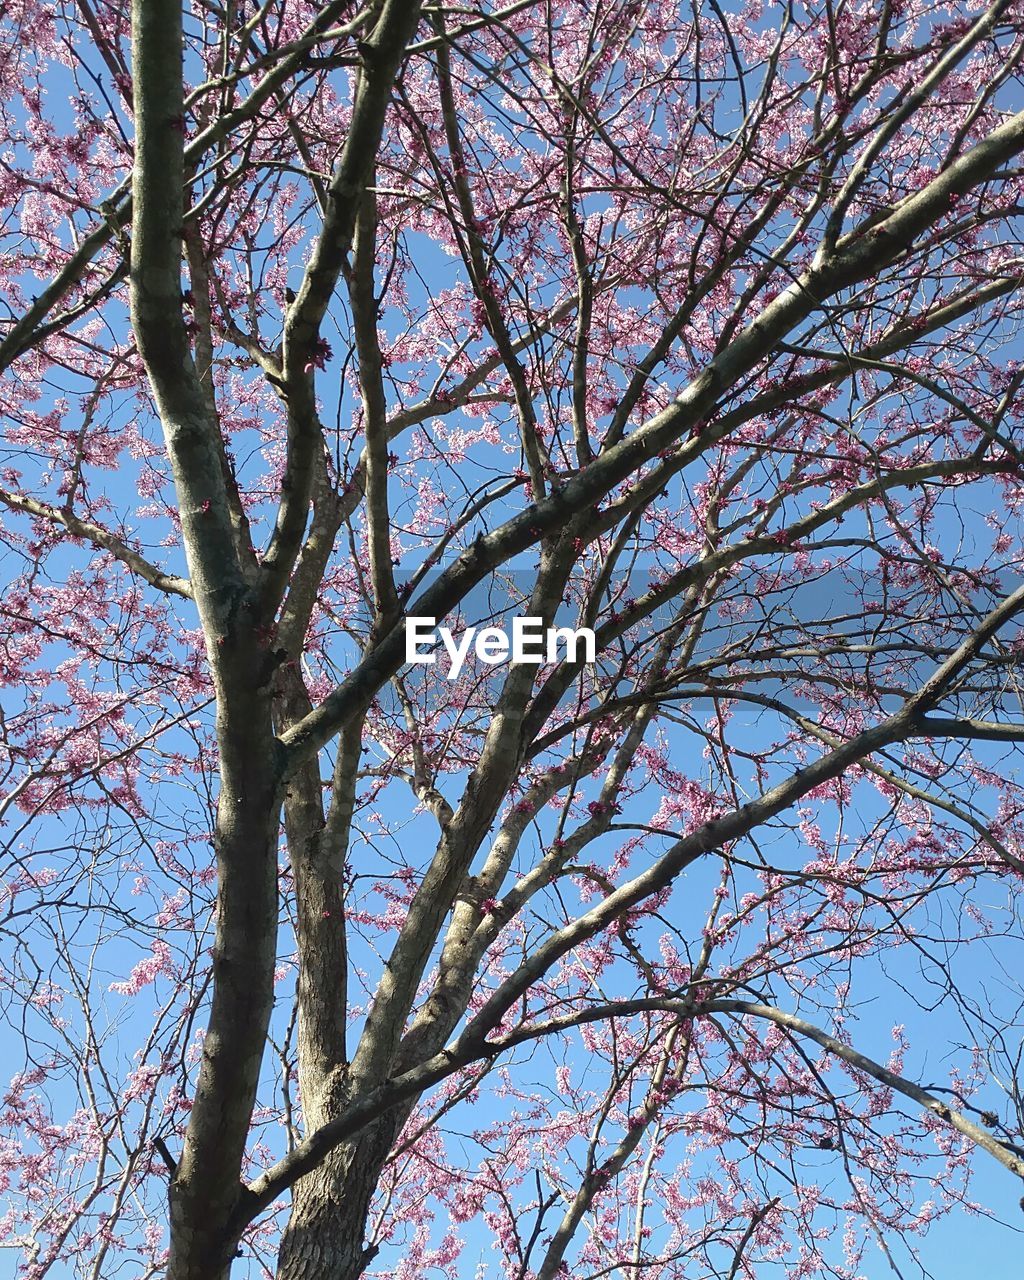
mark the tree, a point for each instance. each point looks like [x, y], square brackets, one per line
[695, 325]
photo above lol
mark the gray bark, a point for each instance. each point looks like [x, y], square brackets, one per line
[206, 1190]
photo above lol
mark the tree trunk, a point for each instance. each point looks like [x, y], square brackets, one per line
[205, 1191]
[324, 1239]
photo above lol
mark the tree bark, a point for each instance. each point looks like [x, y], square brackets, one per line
[325, 1236]
[206, 1190]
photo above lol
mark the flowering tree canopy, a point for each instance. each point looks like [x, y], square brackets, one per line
[696, 325]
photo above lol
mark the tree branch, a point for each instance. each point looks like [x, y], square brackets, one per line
[100, 537]
[980, 1137]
